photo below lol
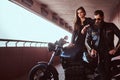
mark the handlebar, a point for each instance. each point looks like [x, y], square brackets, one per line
[59, 43]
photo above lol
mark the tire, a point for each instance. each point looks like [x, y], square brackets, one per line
[43, 72]
[115, 70]
[74, 73]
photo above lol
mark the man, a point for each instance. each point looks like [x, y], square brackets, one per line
[100, 40]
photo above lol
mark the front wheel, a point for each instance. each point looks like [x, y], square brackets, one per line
[43, 72]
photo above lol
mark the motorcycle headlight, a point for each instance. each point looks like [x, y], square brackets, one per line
[51, 47]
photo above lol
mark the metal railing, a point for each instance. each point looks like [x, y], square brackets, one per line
[21, 43]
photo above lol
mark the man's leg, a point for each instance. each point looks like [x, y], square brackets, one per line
[108, 67]
[101, 70]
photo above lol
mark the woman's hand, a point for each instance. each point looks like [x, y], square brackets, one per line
[83, 31]
[71, 44]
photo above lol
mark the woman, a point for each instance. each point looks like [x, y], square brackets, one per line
[77, 46]
[81, 24]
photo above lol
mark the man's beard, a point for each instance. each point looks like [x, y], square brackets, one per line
[98, 25]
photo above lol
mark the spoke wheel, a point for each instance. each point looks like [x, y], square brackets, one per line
[42, 73]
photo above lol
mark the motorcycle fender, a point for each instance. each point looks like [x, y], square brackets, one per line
[115, 58]
[50, 67]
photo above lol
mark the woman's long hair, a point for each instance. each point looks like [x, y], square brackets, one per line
[77, 21]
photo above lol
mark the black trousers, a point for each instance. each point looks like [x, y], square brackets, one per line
[104, 66]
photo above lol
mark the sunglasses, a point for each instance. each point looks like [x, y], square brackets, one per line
[98, 19]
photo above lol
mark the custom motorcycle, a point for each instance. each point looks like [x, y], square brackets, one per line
[74, 70]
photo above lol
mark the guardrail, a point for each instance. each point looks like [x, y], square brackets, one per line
[21, 43]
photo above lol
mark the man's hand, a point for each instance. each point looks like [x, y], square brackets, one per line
[93, 53]
[112, 52]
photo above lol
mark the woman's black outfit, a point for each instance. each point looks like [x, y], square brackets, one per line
[79, 39]
[76, 67]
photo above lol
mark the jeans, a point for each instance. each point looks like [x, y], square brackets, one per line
[104, 66]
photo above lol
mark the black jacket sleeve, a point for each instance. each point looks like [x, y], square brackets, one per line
[74, 35]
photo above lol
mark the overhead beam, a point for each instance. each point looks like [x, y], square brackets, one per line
[43, 11]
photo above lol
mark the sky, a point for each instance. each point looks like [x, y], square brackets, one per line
[20, 24]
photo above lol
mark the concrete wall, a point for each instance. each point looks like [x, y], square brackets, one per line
[17, 61]
[116, 19]
[116, 16]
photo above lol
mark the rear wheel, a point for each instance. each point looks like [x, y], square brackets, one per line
[42, 72]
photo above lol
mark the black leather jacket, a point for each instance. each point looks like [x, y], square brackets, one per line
[79, 39]
[102, 38]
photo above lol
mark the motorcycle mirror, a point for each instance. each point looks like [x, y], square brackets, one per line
[66, 38]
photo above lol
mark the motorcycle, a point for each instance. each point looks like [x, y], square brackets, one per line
[74, 70]
[44, 70]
